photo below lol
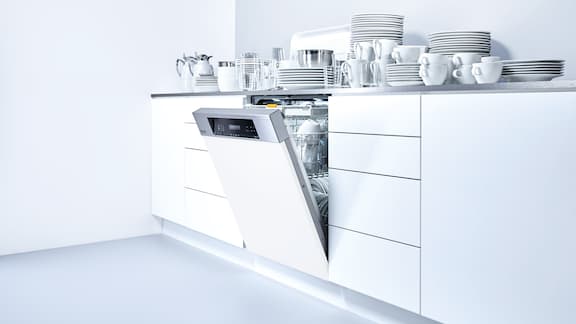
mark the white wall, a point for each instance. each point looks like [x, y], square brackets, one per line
[75, 80]
[521, 28]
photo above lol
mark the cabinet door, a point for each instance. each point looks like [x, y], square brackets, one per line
[379, 268]
[499, 208]
[171, 134]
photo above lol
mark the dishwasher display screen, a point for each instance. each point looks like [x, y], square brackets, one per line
[233, 127]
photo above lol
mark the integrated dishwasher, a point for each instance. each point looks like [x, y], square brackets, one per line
[272, 160]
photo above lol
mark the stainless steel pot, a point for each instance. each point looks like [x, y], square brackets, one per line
[315, 58]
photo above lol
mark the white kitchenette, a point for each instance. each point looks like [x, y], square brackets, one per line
[452, 202]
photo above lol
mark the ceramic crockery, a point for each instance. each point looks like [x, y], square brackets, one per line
[487, 72]
[463, 75]
[460, 59]
[490, 59]
[434, 74]
[378, 69]
[365, 51]
[355, 71]
[383, 48]
[433, 59]
[407, 53]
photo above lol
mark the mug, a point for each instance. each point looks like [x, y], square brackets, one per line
[383, 48]
[407, 54]
[463, 75]
[365, 51]
[434, 74]
[487, 72]
[356, 71]
[378, 69]
[433, 59]
[460, 59]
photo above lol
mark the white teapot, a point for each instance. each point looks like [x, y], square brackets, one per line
[203, 66]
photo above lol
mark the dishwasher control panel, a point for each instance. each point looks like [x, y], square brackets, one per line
[233, 127]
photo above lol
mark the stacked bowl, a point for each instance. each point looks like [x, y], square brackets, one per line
[403, 74]
[452, 42]
[367, 27]
[532, 70]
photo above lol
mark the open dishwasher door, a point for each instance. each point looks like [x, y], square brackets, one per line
[266, 185]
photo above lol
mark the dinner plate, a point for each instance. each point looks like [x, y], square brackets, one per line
[529, 77]
[405, 83]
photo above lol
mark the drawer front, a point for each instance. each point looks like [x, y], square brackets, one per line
[211, 215]
[200, 173]
[377, 205]
[385, 115]
[192, 138]
[386, 155]
[379, 268]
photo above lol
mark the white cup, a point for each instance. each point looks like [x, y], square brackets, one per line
[365, 51]
[463, 75]
[356, 71]
[490, 59]
[487, 72]
[433, 59]
[460, 59]
[383, 48]
[434, 74]
[378, 69]
[227, 79]
[407, 53]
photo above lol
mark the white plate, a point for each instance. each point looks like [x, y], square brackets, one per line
[532, 61]
[530, 77]
[302, 86]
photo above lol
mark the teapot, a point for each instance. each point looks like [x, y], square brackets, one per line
[203, 66]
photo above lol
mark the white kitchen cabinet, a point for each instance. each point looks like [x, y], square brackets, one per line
[211, 215]
[385, 115]
[383, 206]
[200, 173]
[499, 208]
[387, 155]
[376, 267]
[172, 137]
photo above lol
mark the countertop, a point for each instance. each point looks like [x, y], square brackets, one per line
[546, 86]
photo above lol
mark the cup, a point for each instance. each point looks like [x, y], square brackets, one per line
[378, 69]
[434, 74]
[433, 59]
[365, 51]
[487, 72]
[490, 59]
[407, 53]
[383, 48]
[355, 71]
[227, 80]
[463, 75]
[460, 59]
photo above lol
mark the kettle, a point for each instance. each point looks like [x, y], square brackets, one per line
[203, 66]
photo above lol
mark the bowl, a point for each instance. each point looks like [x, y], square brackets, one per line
[315, 58]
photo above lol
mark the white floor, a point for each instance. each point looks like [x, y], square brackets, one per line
[151, 279]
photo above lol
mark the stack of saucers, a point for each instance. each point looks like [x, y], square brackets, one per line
[403, 75]
[304, 77]
[452, 42]
[208, 83]
[367, 27]
[532, 70]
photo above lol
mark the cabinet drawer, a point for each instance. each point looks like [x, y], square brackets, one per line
[200, 173]
[211, 215]
[386, 115]
[377, 205]
[192, 137]
[387, 155]
[378, 268]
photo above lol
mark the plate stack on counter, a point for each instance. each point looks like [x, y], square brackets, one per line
[208, 83]
[367, 27]
[452, 42]
[305, 77]
[403, 75]
[532, 70]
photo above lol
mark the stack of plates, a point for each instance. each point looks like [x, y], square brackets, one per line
[449, 43]
[205, 84]
[304, 77]
[532, 70]
[402, 75]
[368, 27]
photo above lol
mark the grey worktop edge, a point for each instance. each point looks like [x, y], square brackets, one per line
[553, 86]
